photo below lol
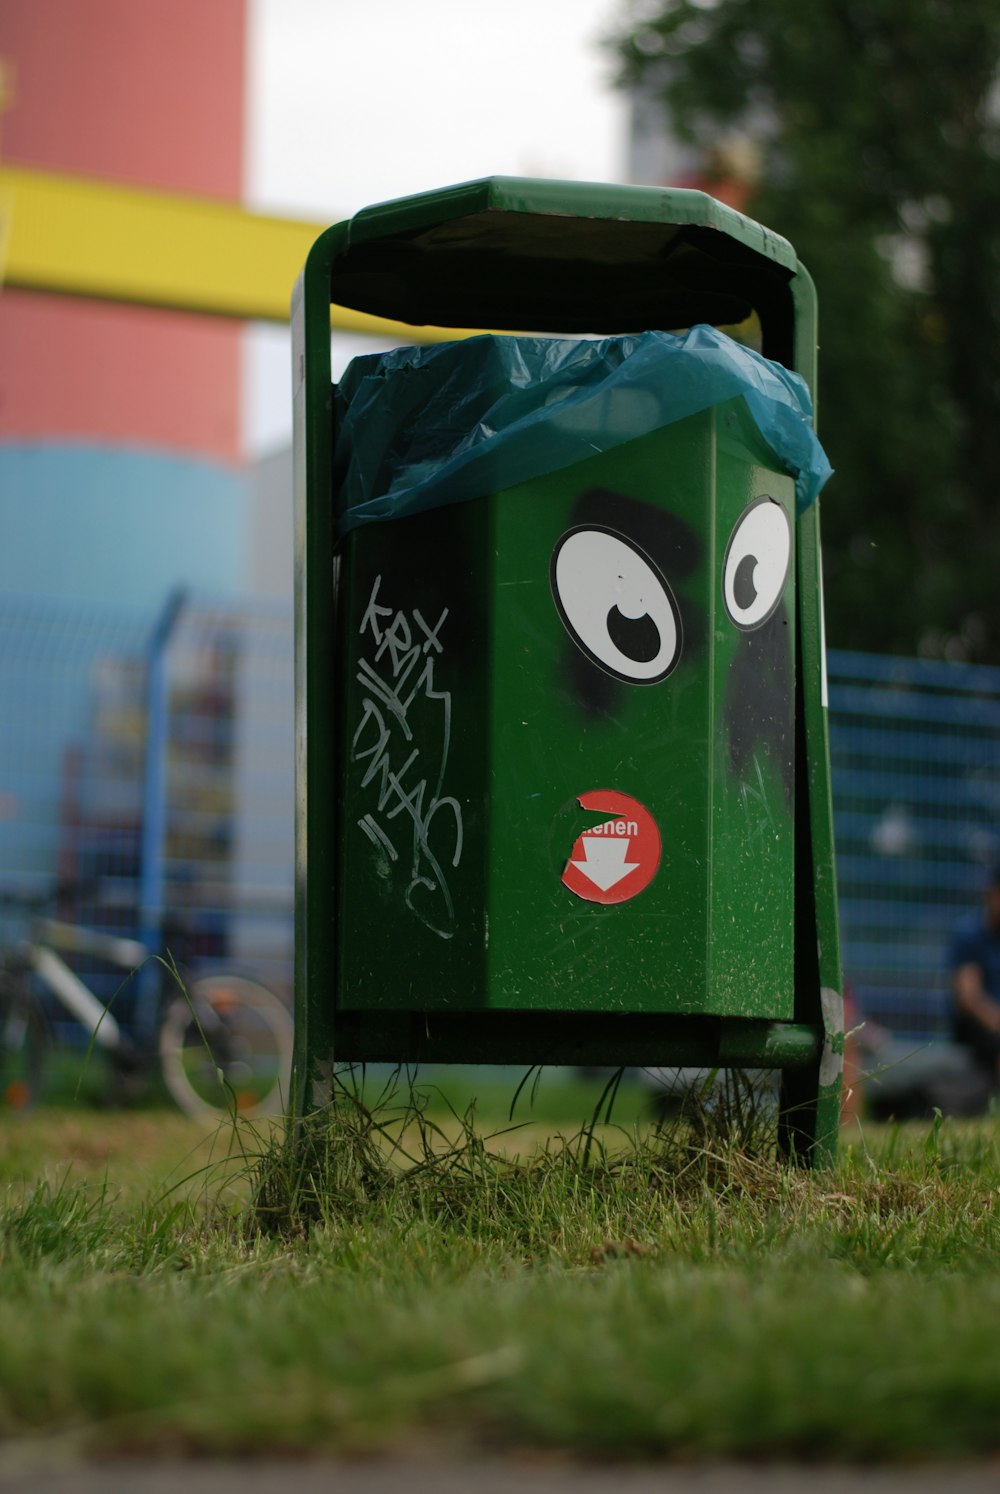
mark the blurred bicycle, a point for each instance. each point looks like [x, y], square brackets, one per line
[221, 1041]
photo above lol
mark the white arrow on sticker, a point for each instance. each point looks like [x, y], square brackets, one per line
[604, 861]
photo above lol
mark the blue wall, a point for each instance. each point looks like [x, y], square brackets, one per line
[91, 523]
[92, 541]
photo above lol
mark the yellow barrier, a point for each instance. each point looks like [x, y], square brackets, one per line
[80, 237]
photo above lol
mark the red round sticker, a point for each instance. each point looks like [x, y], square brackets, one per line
[616, 860]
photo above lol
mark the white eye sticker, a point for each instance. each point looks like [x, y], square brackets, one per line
[616, 605]
[756, 564]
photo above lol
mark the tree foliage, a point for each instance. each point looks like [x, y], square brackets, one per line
[878, 127]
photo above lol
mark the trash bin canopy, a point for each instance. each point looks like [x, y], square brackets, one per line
[546, 256]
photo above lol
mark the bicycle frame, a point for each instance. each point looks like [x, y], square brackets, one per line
[68, 988]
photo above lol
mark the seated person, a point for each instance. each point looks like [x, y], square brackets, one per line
[974, 971]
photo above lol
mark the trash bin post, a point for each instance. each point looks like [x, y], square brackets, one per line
[556, 898]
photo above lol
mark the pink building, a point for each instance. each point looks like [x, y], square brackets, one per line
[120, 467]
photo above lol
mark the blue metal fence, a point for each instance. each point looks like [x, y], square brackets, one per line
[915, 748]
[194, 817]
[55, 664]
[146, 768]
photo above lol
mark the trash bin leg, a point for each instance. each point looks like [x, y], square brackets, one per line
[809, 1116]
[809, 1105]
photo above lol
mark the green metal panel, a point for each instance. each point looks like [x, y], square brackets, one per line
[315, 637]
[413, 858]
[531, 1037]
[564, 728]
[475, 722]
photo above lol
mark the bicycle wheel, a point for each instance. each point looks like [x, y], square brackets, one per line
[226, 1048]
[23, 1043]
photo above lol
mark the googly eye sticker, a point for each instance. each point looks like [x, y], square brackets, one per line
[756, 564]
[616, 605]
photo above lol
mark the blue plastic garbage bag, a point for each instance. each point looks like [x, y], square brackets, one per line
[420, 427]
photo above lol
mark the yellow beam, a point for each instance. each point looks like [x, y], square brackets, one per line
[80, 237]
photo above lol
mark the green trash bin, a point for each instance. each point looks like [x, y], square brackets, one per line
[563, 784]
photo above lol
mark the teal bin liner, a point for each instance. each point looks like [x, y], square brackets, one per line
[420, 427]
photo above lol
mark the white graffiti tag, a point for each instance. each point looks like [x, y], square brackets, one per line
[404, 761]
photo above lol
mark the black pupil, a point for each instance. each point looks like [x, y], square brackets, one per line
[744, 591]
[638, 638]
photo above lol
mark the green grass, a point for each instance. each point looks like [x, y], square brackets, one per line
[396, 1276]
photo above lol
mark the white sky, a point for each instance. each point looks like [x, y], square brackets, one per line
[355, 101]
